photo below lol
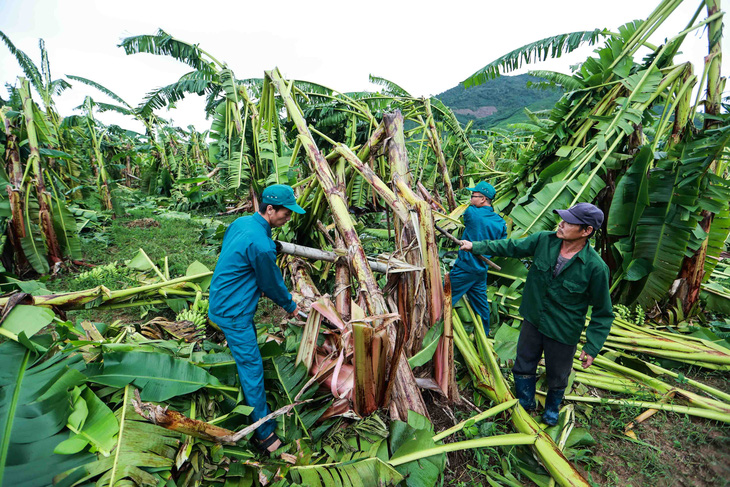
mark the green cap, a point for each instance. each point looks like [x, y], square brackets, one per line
[484, 188]
[283, 195]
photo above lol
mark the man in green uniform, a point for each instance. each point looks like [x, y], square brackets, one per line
[567, 275]
[247, 268]
[469, 274]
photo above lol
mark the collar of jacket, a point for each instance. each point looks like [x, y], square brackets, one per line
[582, 253]
[262, 221]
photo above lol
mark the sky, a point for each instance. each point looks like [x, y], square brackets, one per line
[425, 47]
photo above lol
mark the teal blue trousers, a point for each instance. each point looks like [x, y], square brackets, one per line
[474, 285]
[244, 347]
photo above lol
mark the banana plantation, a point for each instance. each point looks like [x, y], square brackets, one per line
[112, 374]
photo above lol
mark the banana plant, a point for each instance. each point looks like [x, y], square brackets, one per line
[693, 266]
[591, 144]
[225, 99]
[52, 235]
[95, 135]
[47, 88]
[153, 125]
[652, 253]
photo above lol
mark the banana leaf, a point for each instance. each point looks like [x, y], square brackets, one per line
[293, 378]
[538, 214]
[415, 435]
[430, 342]
[64, 224]
[662, 235]
[139, 445]
[26, 319]
[158, 375]
[359, 472]
[505, 342]
[34, 248]
[34, 401]
[92, 421]
[631, 196]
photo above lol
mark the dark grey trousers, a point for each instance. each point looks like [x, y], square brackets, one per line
[558, 356]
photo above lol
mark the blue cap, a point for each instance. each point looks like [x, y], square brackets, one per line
[484, 188]
[582, 214]
[283, 195]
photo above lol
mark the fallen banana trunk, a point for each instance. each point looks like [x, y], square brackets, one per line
[625, 379]
[692, 411]
[646, 339]
[101, 296]
[176, 421]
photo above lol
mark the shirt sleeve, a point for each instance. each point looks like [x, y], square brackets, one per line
[601, 315]
[513, 247]
[269, 280]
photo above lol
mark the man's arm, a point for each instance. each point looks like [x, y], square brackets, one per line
[269, 280]
[601, 315]
[513, 247]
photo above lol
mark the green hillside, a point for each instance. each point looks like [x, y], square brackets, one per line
[498, 102]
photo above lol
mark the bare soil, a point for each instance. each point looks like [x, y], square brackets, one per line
[142, 223]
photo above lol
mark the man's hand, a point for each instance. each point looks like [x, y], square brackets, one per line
[466, 245]
[586, 359]
[293, 314]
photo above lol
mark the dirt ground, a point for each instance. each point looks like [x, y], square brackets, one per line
[142, 223]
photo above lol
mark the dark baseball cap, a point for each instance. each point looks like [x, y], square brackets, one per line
[484, 188]
[281, 194]
[582, 214]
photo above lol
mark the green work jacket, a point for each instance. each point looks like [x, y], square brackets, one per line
[558, 305]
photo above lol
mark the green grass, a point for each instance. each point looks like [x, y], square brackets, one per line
[176, 239]
[672, 449]
[120, 240]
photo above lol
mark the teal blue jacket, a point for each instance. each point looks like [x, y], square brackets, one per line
[479, 224]
[246, 267]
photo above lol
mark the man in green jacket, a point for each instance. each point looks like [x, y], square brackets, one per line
[567, 275]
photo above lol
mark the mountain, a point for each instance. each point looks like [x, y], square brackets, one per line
[499, 102]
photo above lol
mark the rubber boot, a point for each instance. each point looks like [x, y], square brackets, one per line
[552, 406]
[525, 390]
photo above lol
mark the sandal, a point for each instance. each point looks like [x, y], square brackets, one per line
[263, 445]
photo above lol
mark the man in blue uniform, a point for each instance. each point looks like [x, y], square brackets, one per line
[247, 268]
[469, 274]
